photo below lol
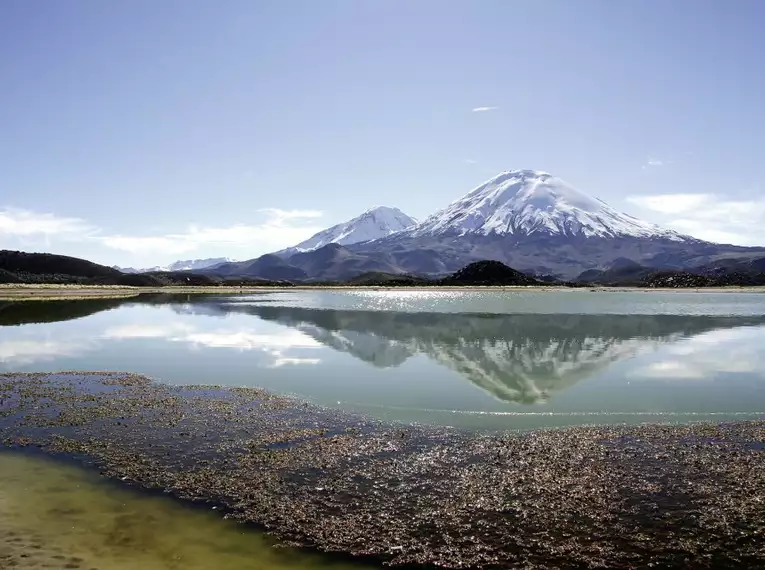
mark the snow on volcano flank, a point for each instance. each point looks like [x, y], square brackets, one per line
[530, 202]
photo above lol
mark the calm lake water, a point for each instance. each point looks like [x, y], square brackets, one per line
[484, 360]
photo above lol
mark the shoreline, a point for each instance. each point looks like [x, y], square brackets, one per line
[605, 496]
[14, 292]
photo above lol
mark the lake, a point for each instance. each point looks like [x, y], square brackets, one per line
[516, 359]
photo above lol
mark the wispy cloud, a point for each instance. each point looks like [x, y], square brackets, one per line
[708, 216]
[470, 161]
[484, 109]
[280, 228]
[671, 203]
[655, 163]
[278, 216]
[276, 229]
[24, 223]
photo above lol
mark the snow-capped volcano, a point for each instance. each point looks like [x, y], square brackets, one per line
[526, 202]
[375, 223]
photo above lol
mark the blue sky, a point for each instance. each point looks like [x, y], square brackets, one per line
[140, 132]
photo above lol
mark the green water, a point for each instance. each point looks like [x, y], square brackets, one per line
[516, 359]
[54, 515]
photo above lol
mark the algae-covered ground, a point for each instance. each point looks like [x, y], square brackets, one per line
[585, 497]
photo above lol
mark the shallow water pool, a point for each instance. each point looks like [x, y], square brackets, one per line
[56, 515]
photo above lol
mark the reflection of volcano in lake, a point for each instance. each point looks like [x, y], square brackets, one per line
[517, 358]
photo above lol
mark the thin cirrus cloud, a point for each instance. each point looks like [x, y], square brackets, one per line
[25, 223]
[278, 228]
[655, 163]
[484, 109]
[708, 216]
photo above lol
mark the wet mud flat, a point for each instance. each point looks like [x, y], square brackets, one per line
[584, 497]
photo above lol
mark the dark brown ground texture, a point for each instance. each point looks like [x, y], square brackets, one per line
[587, 497]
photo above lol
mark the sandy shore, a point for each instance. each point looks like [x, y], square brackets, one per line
[665, 496]
[46, 292]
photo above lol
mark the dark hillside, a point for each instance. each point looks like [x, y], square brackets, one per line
[489, 273]
[19, 262]
[22, 267]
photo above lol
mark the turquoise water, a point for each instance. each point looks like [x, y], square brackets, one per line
[481, 359]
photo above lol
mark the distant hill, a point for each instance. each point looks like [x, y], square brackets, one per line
[22, 267]
[489, 273]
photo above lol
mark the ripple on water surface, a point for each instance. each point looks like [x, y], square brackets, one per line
[55, 515]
